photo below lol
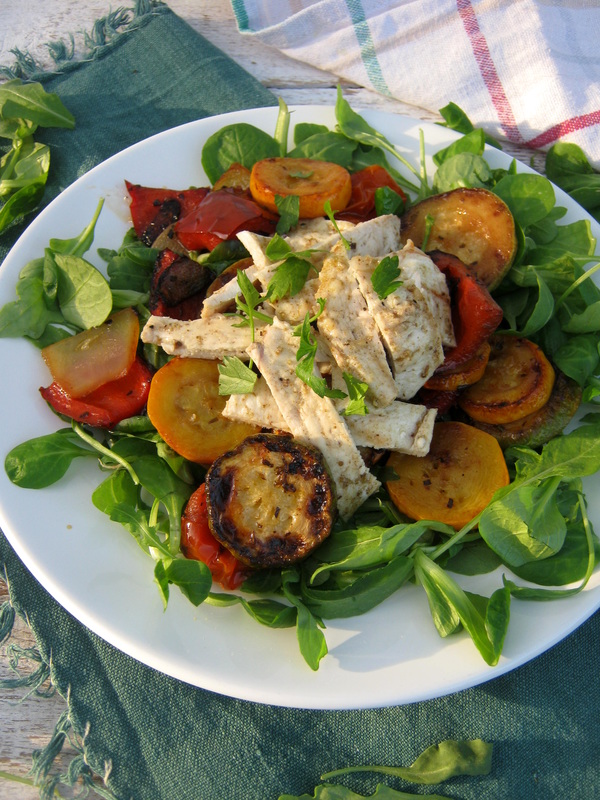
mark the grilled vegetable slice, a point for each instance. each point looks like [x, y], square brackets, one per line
[271, 500]
[83, 362]
[197, 542]
[542, 425]
[464, 375]
[181, 279]
[107, 405]
[185, 407]
[218, 218]
[365, 184]
[314, 182]
[237, 177]
[475, 313]
[176, 288]
[454, 481]
[517, 381]
[473, 224]
[146, 203]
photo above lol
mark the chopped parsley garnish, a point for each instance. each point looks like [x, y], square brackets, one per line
[289, 212]
[384, 277]
[333, 221]
[357, 391]
[235, 377]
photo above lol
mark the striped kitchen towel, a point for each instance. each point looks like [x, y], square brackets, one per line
[524, 70]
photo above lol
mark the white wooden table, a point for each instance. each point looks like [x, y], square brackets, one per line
[28, 24]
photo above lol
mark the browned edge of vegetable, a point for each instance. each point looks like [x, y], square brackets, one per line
[537, 428]
[474, 225]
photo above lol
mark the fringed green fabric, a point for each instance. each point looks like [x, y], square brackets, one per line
[78, 774]
[105, 33]
[36, 681]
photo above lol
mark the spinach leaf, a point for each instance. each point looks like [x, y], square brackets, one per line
[42, 461]
[568, 167]
[192, 577]
[526, 524]
[486, 622]
[24, 168]
[474, 558]
[238, 143]
[368, 546]
[303, 130]
[529, 197]
[265, 611]
[471, 142]
[355, 127]
[30, 101]
[354, 593]
[465, 169]
[578, 357]
[569, 565]
[457, 120]
[440, 762]
[84, 296]
[60, 289]
[30, 314]
[311, 640]
[326, 146]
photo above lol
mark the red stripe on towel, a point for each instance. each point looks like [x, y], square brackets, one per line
[488, 70]
[561, 128]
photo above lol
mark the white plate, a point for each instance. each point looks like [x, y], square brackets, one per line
[95, 569]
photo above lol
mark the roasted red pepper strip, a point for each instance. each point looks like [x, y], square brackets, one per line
[475, 313]
[107, 405]
[362, 200]
[219, 217]
[197, 542]
[146, 202]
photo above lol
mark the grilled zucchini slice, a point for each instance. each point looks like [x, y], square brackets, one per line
[271, 500]
[539, 427]
[474, 225]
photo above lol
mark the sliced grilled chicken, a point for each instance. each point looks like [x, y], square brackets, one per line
[208, 337]
[310, 418]
[411, 329]
[350, 331]
[400, 427]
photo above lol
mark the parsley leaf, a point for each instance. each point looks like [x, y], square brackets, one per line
[387, 201]
[384, 276]
[252, 298]
[306, 361]
[332, 219]
[289, 278]
[357, 391]
[277, 249]
[235, 377]
[289, 212]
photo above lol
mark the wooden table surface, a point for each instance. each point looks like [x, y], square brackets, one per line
[28, 725]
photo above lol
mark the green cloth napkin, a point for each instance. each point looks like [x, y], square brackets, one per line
[154, 738]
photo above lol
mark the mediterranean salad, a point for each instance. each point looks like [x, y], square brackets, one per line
[325, 375]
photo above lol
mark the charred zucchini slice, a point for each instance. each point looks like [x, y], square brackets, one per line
[537, 428]
[270, 500]
[472, 224]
